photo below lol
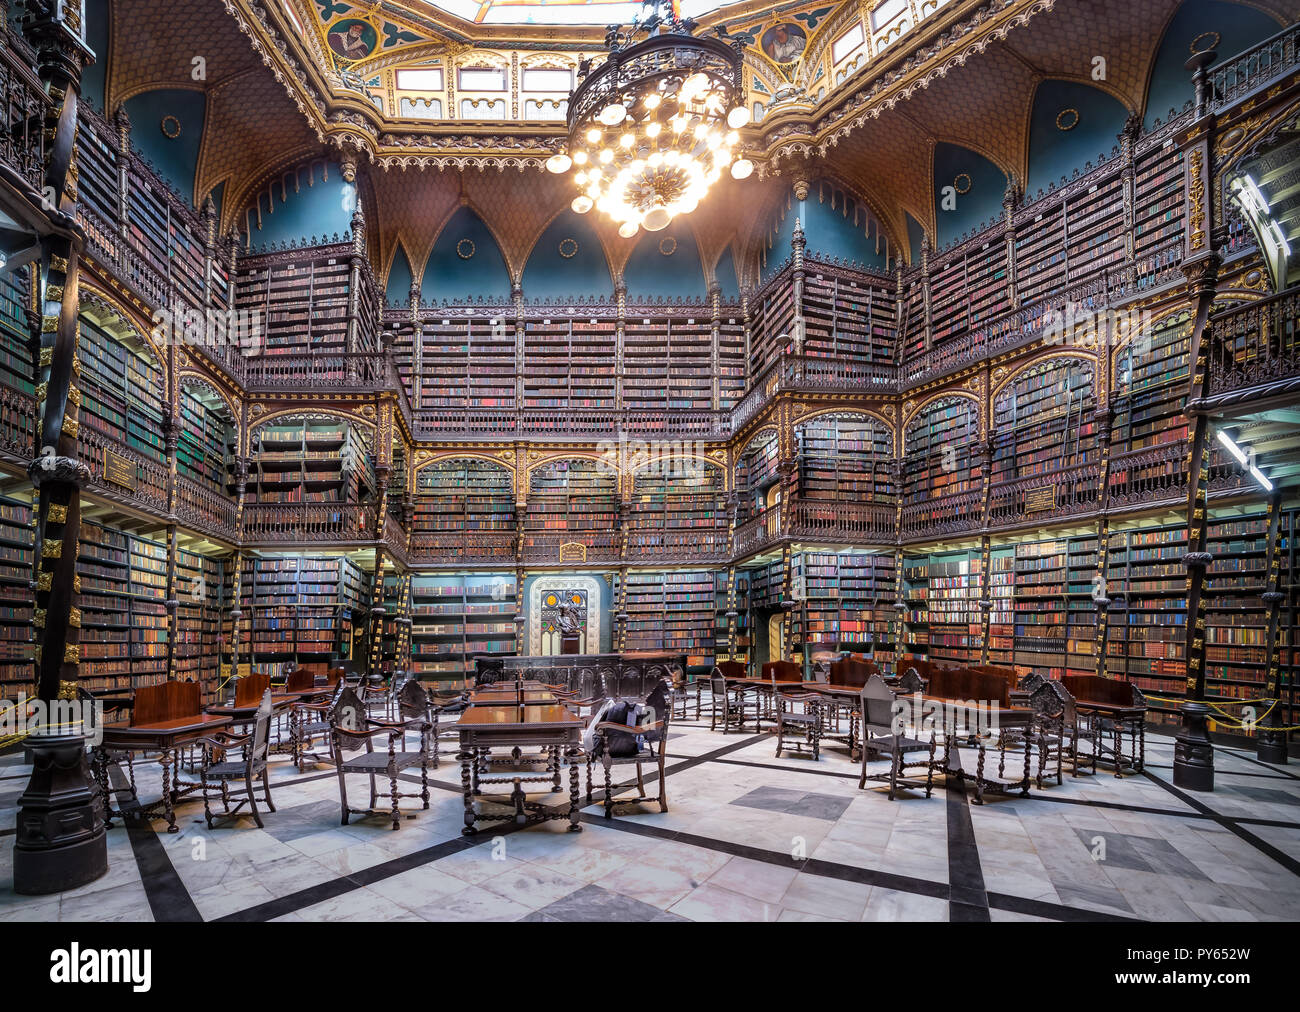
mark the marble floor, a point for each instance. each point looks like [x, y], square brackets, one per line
[747, 837]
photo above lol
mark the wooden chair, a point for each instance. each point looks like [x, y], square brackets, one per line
[1110, 707]
[309, 721]
[351, 727]
[727, 669]
[651, 737]
[1059, 730]
[806, 725]
[882, 736]
[731, 703]
[215, 764]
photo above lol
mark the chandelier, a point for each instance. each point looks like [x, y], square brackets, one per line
[655, 125]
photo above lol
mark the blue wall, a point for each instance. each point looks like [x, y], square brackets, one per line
[550, 275]
[832, 233]
[982, 203]
[447, 275]
[1238, 27]
[92, 79]
[1055, 153]
[650, 272]
[398, 290]
[175, 158]
[320, 207]
[915, 233]
[725, 273]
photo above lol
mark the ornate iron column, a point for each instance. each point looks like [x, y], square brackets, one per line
[59, 843]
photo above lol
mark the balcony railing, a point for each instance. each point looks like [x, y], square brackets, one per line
[951, 514]
[1256, 67]
[122, 473]
[1064, 492]
[1256, 345]
[202, 509]
[361, 371]
[695, 545]
[308, 522]
[1148, 476]
[22, 101]
[757, 533]
[846, 522]
[17, 424]
[463, 547]
[544, 548]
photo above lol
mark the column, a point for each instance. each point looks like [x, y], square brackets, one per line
[59, 843]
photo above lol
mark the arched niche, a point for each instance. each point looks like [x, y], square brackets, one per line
[567, 260]
[466, 261]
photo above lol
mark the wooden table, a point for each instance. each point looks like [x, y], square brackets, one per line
[167, 737]
[546, 726]
[1134, 717]
[508, 697]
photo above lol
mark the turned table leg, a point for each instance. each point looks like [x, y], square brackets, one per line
[468, 760]
[574, 754]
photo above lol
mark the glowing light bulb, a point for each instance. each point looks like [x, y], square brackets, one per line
[627, 140]
[738, 117]
[742, 168]
[628, 229]
[613, 114]
[652, 101]
[593, 136]
[606, 156]
[580, 158]
[652, 130]
[581, 204]
[656, 218]
[558, 163]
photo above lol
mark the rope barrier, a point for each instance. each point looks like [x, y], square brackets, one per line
[1227, 719]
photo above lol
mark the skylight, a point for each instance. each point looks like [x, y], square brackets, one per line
[559, 12]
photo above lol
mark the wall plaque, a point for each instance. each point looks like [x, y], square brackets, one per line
[119, 470]
[1039, 499]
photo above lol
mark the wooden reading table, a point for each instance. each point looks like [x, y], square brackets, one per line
[550, 727]
[166, 719]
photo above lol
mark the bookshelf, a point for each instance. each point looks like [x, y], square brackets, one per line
[456, 617]
[849, 317]
[567, 363]
[937, 450]
[1039, 605]
[673, 612]
[463, 495]
[206, 429]
[942, 591]
[310, 459]
[757, 469]
[848, 602]
[1094, 231]
[1040, 246]
[575, 500]
[299, 609]
[677, 508]
[1002, 616]
[17, 367]
[1150, 386]
[200, 589]
[1043, 420]
[122, 390]
[16, 646]
[845, 457]
[1158, 203]
[916, 597]
[731, 357]
[1081, 609]
[303, 301]
[1236, 619]
[1146, 631]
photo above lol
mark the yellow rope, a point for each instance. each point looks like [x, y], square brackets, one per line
[1227, 719]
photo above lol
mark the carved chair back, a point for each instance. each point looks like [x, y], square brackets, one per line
[877, 706]
[250, 689]
[166, 701]
[261, 729]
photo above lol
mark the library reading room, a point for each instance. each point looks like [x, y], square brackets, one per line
[618, 461]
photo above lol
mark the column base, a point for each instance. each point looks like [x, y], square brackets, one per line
[1193, 750]
[1270, 746]
[60, 842]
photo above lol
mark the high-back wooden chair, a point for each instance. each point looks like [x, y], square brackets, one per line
[220, 767]
[883, 734]
[352, 727]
